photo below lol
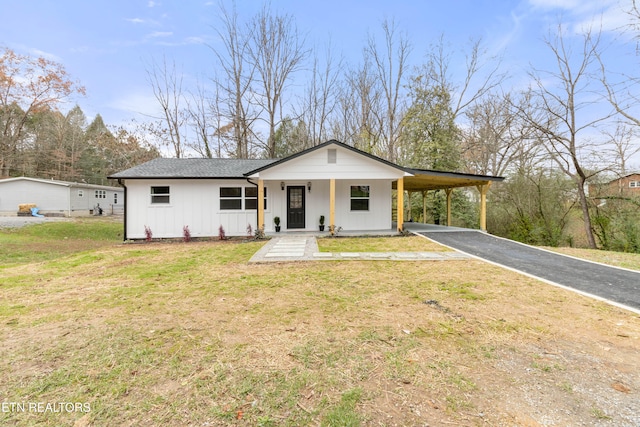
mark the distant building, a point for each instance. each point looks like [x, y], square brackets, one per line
[59, 197]
[626, 186]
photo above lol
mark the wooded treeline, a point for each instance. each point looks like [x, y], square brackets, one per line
[273, 94]
[38, 140]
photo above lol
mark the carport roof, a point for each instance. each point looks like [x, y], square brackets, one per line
[424, 179]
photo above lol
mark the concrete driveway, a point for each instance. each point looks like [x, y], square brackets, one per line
[618, 286]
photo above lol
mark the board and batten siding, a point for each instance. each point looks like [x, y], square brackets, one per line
[192, 202]
[349, 169]
[315, 165]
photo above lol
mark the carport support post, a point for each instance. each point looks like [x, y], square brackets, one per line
[424, 207]
[448, 191]
[332, 203]
[260, 224]
[483, 204]
[400, 203]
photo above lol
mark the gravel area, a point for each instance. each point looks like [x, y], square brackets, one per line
[21, 221]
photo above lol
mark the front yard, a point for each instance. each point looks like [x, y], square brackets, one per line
[190, 334]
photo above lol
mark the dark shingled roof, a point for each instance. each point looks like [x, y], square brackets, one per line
[193, 168]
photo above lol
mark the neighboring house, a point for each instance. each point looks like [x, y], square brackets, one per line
[350, 188]
[626, 186]
[59, 197]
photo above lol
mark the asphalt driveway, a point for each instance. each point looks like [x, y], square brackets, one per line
[614, 284]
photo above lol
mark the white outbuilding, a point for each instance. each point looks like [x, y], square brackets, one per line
[59, 198]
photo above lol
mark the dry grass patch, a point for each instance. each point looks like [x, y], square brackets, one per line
[190, 334]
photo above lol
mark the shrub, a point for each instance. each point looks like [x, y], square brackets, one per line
[148, 233]
[221, 234]
[186, 234]
[249, 230]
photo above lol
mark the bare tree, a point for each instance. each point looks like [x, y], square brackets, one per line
[167, 89]
[559, 112]
[201, 115]
[389, 68]
[481, 74]
[359, 102]
[496, 139]
[277, 51]
[320, 99]
[234, 85]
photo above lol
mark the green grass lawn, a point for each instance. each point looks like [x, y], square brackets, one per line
[42, 242]
[175, 333]
[379, 244]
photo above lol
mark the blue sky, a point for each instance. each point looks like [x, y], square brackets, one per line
[108, 45]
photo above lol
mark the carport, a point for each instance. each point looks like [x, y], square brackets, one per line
[422, 180]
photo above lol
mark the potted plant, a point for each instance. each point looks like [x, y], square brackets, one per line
[321, 223]
[276, 220]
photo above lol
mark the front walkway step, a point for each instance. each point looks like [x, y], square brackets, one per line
[287, 248]
[305, 248]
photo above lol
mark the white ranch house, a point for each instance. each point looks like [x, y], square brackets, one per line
[54, 197]
[350, 188]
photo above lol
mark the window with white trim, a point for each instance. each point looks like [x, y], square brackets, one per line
[115, 198]
[231, 198]
[160, 195]
[251, 198]
[101, 194]
[237, 198]
[634, 184]
[360, 197]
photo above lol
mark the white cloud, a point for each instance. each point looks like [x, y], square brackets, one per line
[135, 20]
[45, 55]
[152, 3]
[160, 34]
[140, 102]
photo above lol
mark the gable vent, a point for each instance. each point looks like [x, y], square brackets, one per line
[331, 155]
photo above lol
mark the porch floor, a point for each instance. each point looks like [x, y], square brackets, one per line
[290, 246]
[410, 226]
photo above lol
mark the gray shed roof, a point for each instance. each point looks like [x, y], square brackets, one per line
[193, 168]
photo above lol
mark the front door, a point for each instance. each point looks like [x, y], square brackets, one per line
[295, 207]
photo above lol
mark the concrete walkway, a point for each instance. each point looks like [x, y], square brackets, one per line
[305, 248]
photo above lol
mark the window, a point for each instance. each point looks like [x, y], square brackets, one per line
[115, 198]
[634, 184]
[251, 198]
[80, 193]
[101, 194]
[230, 198]
[360, 197]
[159, 195]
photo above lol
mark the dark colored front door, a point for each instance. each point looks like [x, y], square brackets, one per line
[295, 207]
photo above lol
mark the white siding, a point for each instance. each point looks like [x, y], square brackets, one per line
[194, 203]
[82, 204]
[47, 197]
[378, 217]
[315, 165]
